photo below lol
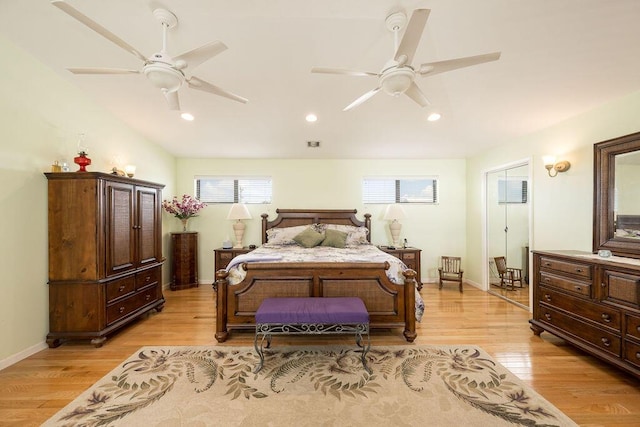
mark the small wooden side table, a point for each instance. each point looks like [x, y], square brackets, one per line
[184, 272]
[411, 258]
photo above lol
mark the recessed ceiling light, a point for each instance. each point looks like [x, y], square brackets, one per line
[313, 144]
[434, 117]
[187, 116]
[311, 118]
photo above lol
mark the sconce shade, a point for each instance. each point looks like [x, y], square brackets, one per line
[394, 212]
[239, 211]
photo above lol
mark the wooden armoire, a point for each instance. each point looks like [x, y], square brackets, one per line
[105, 253]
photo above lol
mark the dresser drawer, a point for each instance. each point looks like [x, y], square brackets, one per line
[597, 337]
[598, 313]
[147, 277]
[622, 288]
[126, 306]
[570, 285]
[121, 287]
[633, 326]
[577, 269]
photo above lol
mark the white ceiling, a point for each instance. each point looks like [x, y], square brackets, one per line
[559, 58]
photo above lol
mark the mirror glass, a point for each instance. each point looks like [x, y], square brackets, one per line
[626, 203]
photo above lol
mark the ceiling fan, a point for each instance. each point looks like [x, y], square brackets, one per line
[162, 70]
[398, 75]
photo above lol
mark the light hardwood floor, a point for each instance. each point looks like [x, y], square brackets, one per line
[588, 391]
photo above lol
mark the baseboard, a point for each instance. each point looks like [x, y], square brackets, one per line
[15, 358]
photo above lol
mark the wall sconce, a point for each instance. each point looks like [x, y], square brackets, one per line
[130, 170]
[238, 212]
[551, 164]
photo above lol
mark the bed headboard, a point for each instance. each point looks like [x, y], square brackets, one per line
[293, 217]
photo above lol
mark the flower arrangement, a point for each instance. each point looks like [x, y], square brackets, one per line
[184, 208]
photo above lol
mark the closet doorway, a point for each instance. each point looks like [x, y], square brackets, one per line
[507, 229]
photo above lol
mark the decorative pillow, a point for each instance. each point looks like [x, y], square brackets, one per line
[309, 238]
[355, 235]
[334, 238]
[284, 235]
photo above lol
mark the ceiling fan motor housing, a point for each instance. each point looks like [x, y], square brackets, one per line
[396, 81]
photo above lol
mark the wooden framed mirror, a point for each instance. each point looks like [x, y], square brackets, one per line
[616, 198]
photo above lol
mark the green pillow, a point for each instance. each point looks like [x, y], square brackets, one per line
[334, 238]
[309, 238]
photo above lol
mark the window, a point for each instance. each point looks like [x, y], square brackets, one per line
[512, 190]
[228, 189]
[400, 190]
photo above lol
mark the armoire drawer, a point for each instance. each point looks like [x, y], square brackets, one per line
[147, 277]
[126, 306]
[120, 288]
[577, 269]
[633, 326]
[632, 353]
[598, 313]
[606, 341]
[574, 286]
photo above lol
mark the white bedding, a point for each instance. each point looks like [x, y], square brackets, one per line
[295, 253]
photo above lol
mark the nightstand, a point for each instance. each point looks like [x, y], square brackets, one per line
[411, 258]
[222, 257]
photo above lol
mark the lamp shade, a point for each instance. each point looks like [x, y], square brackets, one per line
[394, 212]
[239, 211]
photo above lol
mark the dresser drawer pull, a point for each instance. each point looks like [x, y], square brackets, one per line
[578, 288]
[547, 316]
[638, 355]
[606, 342]
[547, 297]
[147, 279]
[121, 310]
[579, 270]
[121, 288]
[147, 297]
[547, 264]
[547, 279]
[606, 317]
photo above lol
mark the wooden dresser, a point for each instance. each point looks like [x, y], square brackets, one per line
[105, 253]
[410, 257]
[591, 302]
[184, 268]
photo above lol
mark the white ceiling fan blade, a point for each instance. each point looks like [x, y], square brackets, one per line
[416, 94]
[102, 71]
[197, 56]
[172, 100]
[362, 99]
[69, 10]
[412, 36]
[199, 84]
[431, 68]
[325, 70]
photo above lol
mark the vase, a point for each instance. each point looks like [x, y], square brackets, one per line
[185, 222]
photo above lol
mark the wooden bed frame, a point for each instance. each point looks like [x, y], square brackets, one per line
[389, 305]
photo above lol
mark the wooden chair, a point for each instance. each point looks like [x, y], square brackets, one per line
[450, 271]
[509, 276]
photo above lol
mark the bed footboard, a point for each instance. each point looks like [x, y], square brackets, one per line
[389, 305]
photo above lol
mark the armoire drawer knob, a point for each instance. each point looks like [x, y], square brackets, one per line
[606, 317]
[121, 288]
[122, 309]
[147, 297]
[579, 270]
[606, 342]
[547, 297]
[638, 355]
[547, 316]
[578, 288]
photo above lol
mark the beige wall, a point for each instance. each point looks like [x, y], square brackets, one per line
[562, 206]
[334, 184]
[40, 117]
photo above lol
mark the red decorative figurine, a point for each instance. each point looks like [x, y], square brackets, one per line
[82, 160]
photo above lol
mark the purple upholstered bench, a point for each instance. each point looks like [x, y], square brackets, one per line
[312, 315]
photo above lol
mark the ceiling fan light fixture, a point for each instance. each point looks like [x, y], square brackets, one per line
[434, 117]
[164, 77]
[187, 116]
[396, 82]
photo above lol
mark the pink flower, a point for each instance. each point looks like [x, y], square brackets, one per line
[186, 208]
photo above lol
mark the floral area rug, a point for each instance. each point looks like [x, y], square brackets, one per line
[310, 386]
